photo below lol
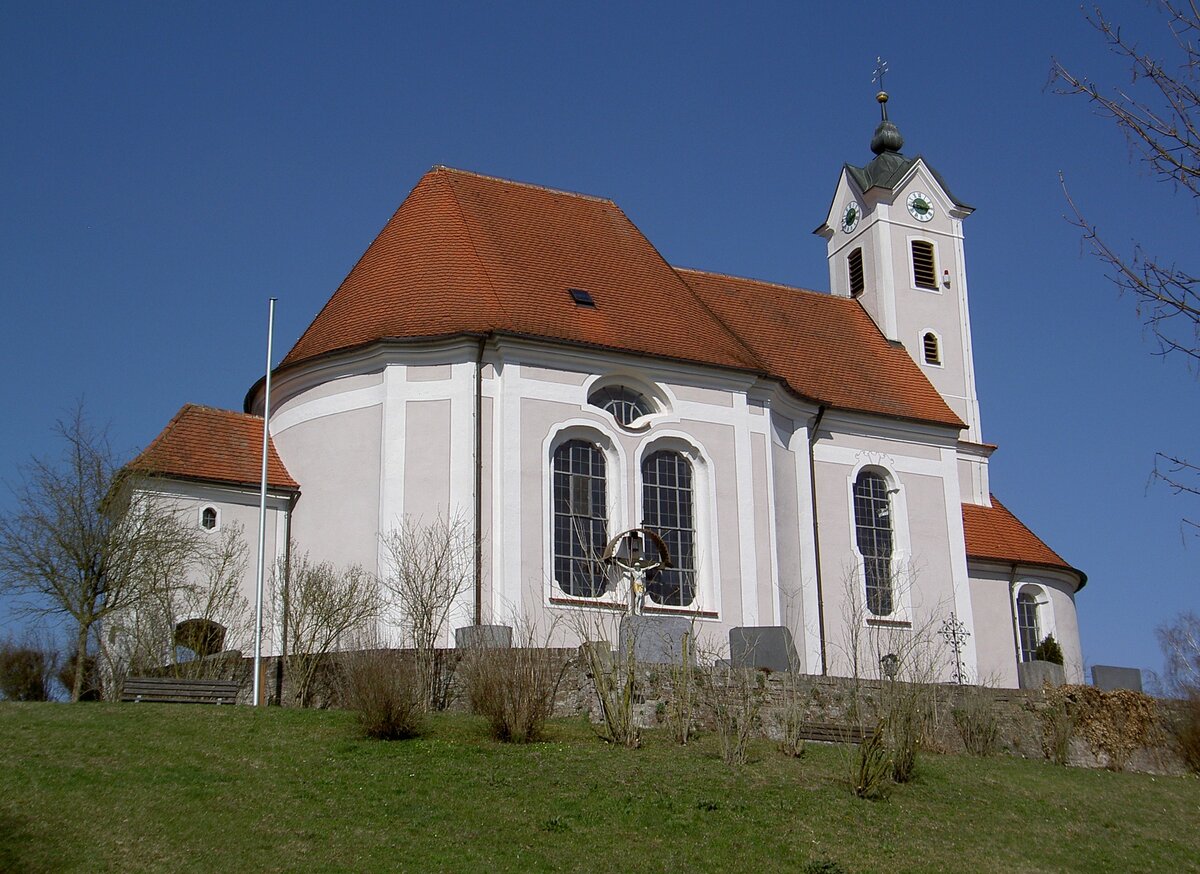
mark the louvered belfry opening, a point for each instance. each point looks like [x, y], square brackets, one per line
[857, 282]
[924, 269]
[933, 354]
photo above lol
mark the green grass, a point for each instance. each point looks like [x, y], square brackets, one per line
[193, 788]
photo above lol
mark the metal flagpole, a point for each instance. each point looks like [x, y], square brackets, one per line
[262, 518]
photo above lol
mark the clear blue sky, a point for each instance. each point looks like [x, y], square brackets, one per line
[168, 167]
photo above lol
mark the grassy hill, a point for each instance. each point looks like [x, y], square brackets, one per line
[193, 788]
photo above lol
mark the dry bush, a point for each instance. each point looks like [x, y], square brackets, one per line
[513, 688]
[736, 697]
[977, 723]
[383, 689]
[1187, 733]
[614, 679]
[1058, 727]
[429, 566]
[681, 708]
[26, 671]
[1113, 724]
[871, 767]
[320, 607]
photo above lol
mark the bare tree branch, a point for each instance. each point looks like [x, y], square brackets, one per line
[1159, 113]
[84, 541]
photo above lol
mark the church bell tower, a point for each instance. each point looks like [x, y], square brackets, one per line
[895, 244]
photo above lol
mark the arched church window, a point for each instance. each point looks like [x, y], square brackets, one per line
[208, 518]
[1027, 624]
[667, 509]
[932, 348]
[924, 265]
[873, 535]
[580, 518]
[855, 264]
[624, 404]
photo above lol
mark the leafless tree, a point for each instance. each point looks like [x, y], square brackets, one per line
[1180, 642]
[84, 541]
[1159, 113]
[207, 597]
[324, 608]
[428, 567]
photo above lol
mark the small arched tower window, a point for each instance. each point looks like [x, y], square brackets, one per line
[873, 536]
[624, 404]
[1027, 624]
[855, 265]
[924, 265]
[208, 518]
[932, 348]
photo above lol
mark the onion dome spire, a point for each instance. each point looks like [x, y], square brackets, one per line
[887, 136]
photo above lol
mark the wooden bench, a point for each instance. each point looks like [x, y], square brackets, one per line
[179, 690]
[832, 733]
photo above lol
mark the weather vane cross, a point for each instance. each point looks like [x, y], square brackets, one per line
[881, 67]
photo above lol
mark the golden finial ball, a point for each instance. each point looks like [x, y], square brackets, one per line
[882, 97]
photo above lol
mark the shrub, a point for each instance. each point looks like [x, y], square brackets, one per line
[907, 706]
[871, 767]
[1187, 733]
[383, 687]
[25, 672]
[92, 690]
[1058, 727]
[615, 683]
[513, 689]
[736, 696]
[680, 712]
[977, 723]
[1114, 724]
[1048, 650]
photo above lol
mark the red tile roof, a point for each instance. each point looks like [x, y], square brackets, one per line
[203, 443]
[825, 347]
[470, 254]
[994, 533]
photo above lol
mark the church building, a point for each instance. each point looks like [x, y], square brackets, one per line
[525, 360]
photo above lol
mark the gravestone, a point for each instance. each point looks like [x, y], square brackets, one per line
[763, 646]
[483, 637]
[656, 640]
[1035, 674]
[1109, 678]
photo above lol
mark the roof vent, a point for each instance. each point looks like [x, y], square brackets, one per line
[581, 297]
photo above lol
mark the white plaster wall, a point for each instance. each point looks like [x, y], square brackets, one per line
[237, 508]
[993, 584]
[928, 553]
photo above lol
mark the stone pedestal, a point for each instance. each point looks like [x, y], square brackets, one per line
[656, 640]
[483, 637]
[1035, 674]
[767, 647]
[1109, 678]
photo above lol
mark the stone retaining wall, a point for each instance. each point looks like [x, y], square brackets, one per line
[1020, 714]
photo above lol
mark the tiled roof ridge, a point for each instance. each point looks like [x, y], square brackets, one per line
[741, 344]
[462, 218]
[716, 274]
[595, 198]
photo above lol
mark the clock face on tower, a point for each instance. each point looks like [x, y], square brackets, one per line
[920, 205]
[850, 217]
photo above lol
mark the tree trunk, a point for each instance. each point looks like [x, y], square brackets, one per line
[80, 661]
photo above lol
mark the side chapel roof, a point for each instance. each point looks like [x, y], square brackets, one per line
[994, 533]
[467, 254]
[210, 445]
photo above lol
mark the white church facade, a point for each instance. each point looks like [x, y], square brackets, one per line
[526, 360]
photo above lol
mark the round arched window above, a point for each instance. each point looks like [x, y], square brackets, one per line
[625, 404]
[208, 518]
